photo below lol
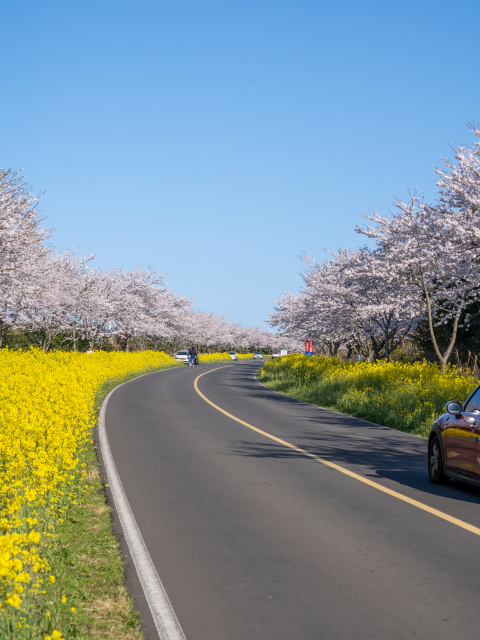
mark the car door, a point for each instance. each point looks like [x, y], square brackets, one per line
[472, 414]
[460, 444]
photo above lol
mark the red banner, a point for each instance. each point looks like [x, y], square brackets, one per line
[309, 346]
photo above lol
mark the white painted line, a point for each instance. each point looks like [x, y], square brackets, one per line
[162, 611]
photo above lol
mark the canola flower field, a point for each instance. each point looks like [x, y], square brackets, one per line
[222, 357]
[47, 415]
[408, 397]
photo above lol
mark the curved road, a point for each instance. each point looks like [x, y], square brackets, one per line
[255, 540]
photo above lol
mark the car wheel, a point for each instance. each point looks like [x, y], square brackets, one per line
[435, 462]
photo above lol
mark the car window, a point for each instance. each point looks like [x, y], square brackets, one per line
[474, 402]
[182, 353]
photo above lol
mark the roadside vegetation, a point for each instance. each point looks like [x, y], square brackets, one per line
[221, 357]
[404, 396]
[61, 572]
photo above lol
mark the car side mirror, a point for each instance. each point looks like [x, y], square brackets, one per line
[454, 407]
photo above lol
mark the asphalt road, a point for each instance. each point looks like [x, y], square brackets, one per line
[253, 540]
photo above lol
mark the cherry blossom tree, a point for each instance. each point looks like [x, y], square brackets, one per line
[433, 260]
[50, 310]
[23, 247]
[346, 302]
[459, 184]
[376, 303]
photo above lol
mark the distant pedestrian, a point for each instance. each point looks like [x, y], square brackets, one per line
[192, 356]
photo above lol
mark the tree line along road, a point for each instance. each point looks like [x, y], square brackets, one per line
[267, 518]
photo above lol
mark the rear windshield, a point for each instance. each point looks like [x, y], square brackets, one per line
[182, 353]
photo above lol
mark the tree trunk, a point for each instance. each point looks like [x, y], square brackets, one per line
[376, 348]
[443, 358]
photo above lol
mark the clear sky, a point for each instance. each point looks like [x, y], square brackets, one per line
[216, 140]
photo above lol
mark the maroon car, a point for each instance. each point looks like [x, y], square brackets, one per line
[453, 445]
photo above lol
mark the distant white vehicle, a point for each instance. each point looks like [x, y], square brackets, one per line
[276, 354]
[233, 355]
[182, 356]
[258, 354]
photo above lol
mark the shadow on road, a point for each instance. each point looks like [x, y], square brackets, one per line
[406, 470]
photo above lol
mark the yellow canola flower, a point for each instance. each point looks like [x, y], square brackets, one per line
[56, 635]
[14, 601]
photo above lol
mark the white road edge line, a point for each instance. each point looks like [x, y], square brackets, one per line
[166, 621]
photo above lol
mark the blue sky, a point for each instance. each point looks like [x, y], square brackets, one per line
[215, 141]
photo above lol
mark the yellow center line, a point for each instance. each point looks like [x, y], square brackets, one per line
[332, 465]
